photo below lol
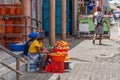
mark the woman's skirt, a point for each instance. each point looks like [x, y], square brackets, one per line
[99, 30]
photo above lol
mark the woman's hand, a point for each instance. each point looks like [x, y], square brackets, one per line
[45, 50]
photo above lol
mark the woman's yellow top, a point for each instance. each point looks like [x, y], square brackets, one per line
[32, 48]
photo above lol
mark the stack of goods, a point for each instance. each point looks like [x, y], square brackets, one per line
[11, 28]
[58, 57]
[60, 49]
[2, 27]
[61, 46]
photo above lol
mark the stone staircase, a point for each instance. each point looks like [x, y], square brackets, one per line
[7, 74]
[36, 76]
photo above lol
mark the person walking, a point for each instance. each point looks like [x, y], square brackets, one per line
[98, 19]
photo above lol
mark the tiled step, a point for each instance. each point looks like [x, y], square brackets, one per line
[36, 76]
[6, 58]
[6, 73]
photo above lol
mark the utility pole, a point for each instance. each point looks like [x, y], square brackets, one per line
[39, 13]
[27, 12]
[74, 17]
[52, 23]
[63, 19]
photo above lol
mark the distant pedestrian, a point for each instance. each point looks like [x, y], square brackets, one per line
[98, 19]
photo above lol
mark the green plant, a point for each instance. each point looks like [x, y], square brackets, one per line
[49, 48]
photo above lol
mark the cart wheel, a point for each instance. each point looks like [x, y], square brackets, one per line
[109, 32]
[109, 36]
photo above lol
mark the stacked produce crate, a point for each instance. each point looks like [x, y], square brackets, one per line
[58, 57]
[11, 24]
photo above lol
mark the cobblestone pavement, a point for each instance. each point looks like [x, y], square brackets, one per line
[95, 62]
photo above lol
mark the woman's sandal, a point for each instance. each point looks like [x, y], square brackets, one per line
[100, 44]
[93, 41]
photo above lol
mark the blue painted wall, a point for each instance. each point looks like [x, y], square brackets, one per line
[45, 16]
[58, 16]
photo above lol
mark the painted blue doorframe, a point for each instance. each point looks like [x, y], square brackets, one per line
[58, 16]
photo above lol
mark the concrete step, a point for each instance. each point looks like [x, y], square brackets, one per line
[6, 73]
[36, 76]
[6, 58]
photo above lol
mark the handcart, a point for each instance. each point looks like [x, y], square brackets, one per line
[86, 26]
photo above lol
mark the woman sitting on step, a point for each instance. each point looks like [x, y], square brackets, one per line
[31, 36]
[36, 50]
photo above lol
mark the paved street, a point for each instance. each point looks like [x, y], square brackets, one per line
[95, 62]
[93, 71]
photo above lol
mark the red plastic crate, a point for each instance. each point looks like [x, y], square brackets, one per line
[48, 68]
[57, 67]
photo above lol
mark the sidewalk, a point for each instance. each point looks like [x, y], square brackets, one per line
[95, 62]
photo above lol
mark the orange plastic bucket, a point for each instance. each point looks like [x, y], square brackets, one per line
[18, 29]
[9, 27]
[19, 11]
[12, 11]
[2, 28]
[2, 10]
[57, 58]
[18, 21]
[18, 39]
[2, 40]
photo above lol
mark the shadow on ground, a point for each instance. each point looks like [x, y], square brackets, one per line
[72, 41]
[104, 44]
[77, 59]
